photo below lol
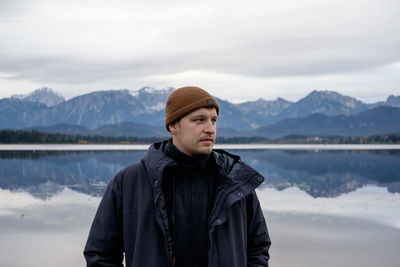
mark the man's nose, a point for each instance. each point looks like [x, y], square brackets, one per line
[211, 127]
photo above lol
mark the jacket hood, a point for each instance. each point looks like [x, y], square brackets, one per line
[155, 161]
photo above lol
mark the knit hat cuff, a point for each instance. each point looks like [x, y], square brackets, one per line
[208, 102]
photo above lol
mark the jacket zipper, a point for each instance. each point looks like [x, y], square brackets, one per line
[164, 230]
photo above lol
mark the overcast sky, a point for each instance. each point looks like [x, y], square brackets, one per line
[237, 50]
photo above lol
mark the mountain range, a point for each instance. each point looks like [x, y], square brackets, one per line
[141, 113]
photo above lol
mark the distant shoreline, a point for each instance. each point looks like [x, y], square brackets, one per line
[35, 137]
[97, 147]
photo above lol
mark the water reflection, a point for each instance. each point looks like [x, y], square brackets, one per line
[319, 173]
[327, 173]
[44, 173]
[52, 232]
[317, 204]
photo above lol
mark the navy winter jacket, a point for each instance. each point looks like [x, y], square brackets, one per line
[132, 217]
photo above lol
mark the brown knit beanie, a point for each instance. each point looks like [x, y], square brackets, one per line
[184, 100]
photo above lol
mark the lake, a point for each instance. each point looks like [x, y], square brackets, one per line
[324, 206]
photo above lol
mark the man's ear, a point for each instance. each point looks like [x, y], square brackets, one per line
[172, 128]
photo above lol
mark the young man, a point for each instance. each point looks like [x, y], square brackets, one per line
[184, 204]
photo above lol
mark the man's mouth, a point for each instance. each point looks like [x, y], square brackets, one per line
[207, 140]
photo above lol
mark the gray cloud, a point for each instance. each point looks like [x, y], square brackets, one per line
[84, 42]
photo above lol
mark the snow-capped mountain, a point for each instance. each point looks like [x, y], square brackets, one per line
[153, 99]
[264, 107]
[99, 108]
[263, 112]
[393, 101]
[324, 102]
[42, 95]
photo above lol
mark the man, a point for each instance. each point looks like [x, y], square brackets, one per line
[184, 204]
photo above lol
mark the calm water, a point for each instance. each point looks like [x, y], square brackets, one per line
[323, 208]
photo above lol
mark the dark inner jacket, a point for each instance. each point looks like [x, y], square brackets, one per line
[133, 216]
[188, 187]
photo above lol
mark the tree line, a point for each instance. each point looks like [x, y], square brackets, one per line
[37, 137]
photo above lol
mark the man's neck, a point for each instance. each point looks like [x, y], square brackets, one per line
[183, 159]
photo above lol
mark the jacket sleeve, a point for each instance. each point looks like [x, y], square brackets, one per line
[104, 247]
[258, 241]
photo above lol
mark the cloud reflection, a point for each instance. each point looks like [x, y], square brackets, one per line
[52, 230]
[369, 203]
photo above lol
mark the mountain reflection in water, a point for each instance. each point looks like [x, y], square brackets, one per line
[319, 173]
[316, 204]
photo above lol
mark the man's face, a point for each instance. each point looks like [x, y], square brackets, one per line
[195, 133]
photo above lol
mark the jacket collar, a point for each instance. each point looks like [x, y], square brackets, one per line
[231, 169]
